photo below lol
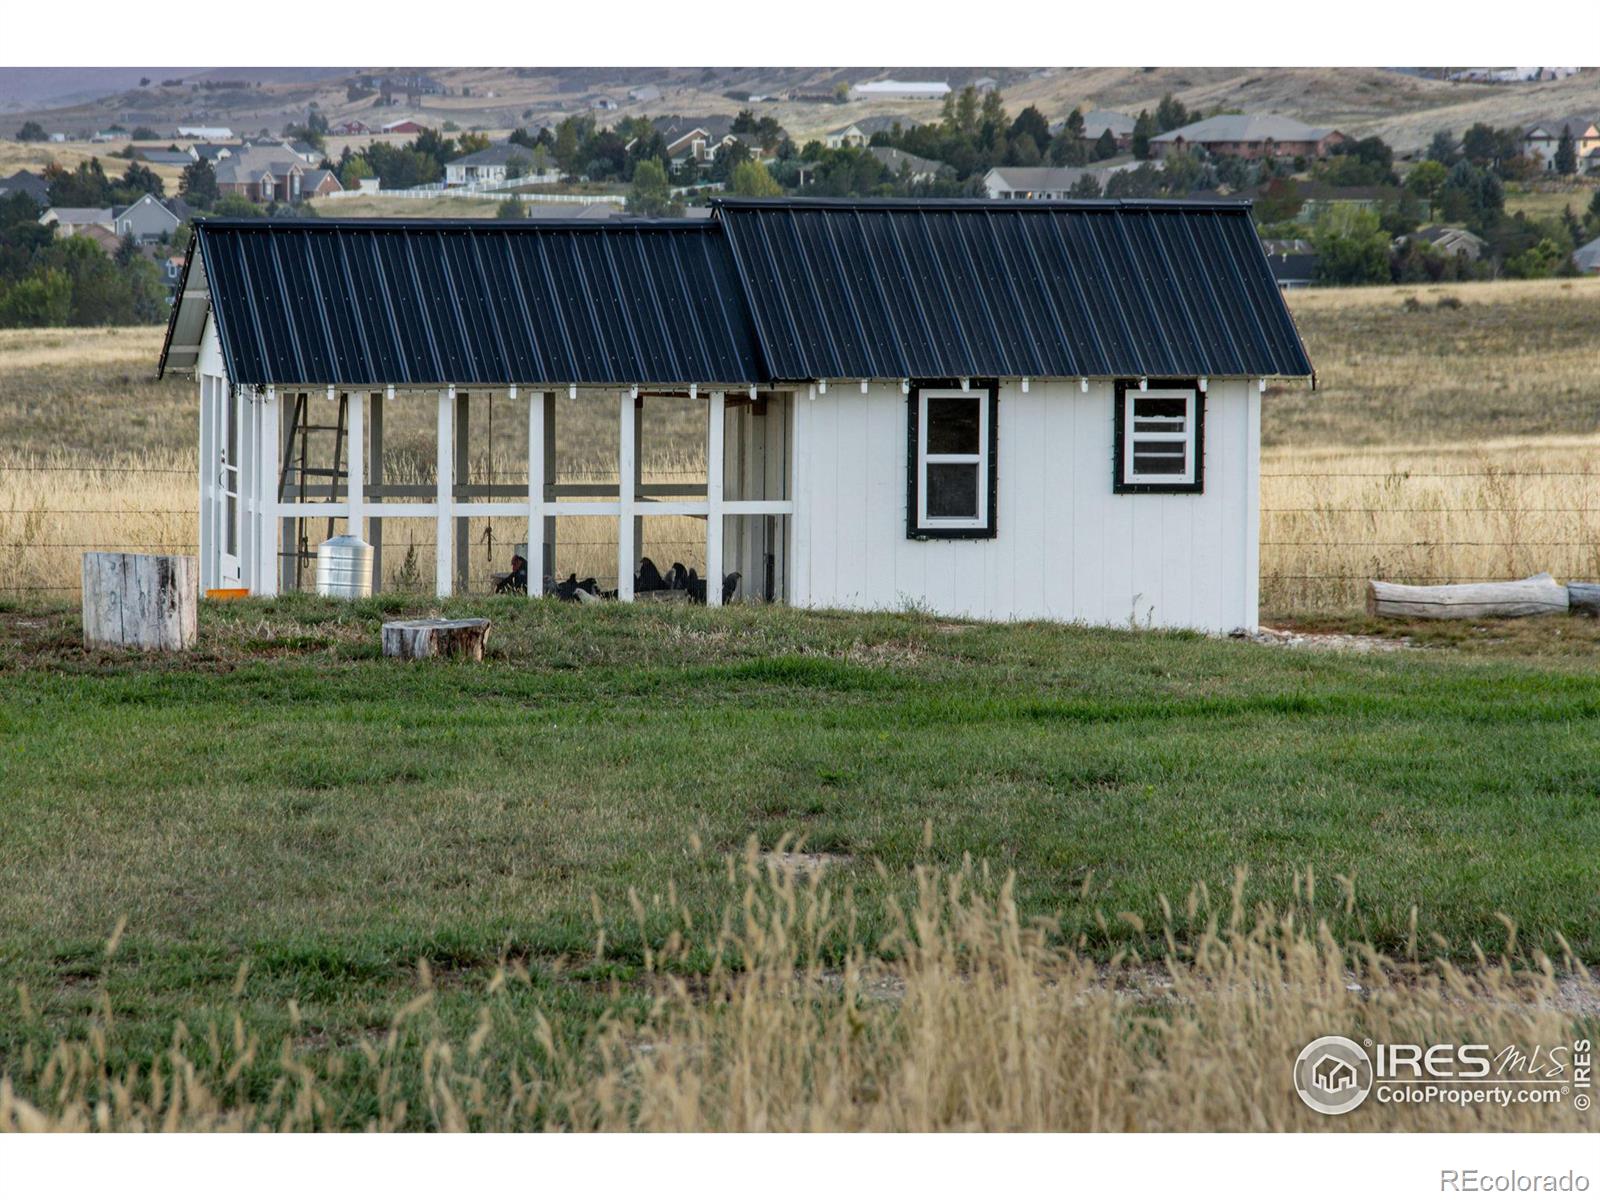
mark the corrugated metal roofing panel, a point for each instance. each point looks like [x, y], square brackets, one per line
[468, 302]
[935, 289]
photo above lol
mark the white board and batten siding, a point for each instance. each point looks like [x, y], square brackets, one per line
[1066, 547]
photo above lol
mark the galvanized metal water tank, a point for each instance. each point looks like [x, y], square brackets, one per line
[344, 567]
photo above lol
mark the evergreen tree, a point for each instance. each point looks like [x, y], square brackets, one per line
[1443, 148]
[1566, 162]
[1105, 146]
[198, 185]
[1171, 114]
[651, 194]
[1144, 128]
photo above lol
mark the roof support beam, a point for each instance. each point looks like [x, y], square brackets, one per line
[627, 460]
[444, 473]
[715, 429]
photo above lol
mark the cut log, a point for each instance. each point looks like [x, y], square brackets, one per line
[1584, 598]
[435, 638]
[1536, 596]
[146, 601]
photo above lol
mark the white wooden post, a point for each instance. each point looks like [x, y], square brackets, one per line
[208, 472]
[268, 559]
[714, 451]
[536, 493]
[1252, 512]
[463, 477]
[548, 567]
[356, 476]
[375, 478]
[627, 454]
[444, 469]
[638, 473]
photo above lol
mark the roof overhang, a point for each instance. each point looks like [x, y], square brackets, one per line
[191, 304]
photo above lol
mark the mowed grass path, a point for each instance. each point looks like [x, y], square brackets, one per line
[283, 797]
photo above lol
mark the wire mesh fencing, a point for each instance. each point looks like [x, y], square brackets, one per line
[1326, 527]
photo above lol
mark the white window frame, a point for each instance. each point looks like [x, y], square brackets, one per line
[981, 459]
[1187, 437]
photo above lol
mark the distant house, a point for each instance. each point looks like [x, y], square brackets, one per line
[920, 169]
[901, 89]
[206, 133]
[1541, 139]
[985, 84]
[146, 220]
[1097, 120]
[486, 166]
[108, 242]
[171, 270]
[213, 152]
[167, 158]
[859, 133]
[30, 184]
[696, 138]
[320, 183]
[1293, 262]
[1587, 258]
[603, 104]
[70, 222]
[1451, 240]
[305, 152]
[1047, 183]
[645, 94]
[405, 126]
[1249, 136]
[261, 174]
[349, 128]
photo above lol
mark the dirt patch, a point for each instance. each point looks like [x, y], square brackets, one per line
[805, 862]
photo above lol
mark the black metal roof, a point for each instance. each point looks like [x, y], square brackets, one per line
[476, 302]
[935, 289]
[766, 291]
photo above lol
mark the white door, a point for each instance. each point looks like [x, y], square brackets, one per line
[228, 513]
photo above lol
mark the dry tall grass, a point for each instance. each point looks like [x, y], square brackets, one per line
[962, 1018]
[1450, 438]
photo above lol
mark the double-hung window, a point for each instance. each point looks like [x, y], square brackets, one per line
[1160, 437]
[951, 479]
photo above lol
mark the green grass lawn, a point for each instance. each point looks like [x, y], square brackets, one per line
[282, 797]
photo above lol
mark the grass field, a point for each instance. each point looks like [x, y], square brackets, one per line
[279, 816]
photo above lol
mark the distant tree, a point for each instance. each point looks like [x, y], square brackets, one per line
[354, 170]
[236, 206]
[1352, 247]
[144, 81]
[1566, 162]
[1539, 261]
[510, 210]
[143, 133]
[1443, 148]
[1032, 122]
[198, 184]
[40, 299]
[1075, 125]
[1144, 128]
[966, 110]
[85, 186]
[32, 131]
[127, 250]
[651, 194]
[1022, 151]
[471, 143]
[1171, 114]
[752, 178]
[567, 146]
[1280, 201]
[1427, 178]
[139, 179]
[1105, 146]
[1085, 187]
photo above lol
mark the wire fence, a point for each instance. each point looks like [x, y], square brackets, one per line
[1323, 533]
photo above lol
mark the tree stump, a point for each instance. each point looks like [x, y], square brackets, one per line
[435, 638]
[147, 601]
[1584, 598]
[1538, 595]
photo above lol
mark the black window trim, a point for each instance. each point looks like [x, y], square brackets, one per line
[1118, 442]
[915, 531]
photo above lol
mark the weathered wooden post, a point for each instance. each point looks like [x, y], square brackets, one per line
[142, 600]
[436, 638]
